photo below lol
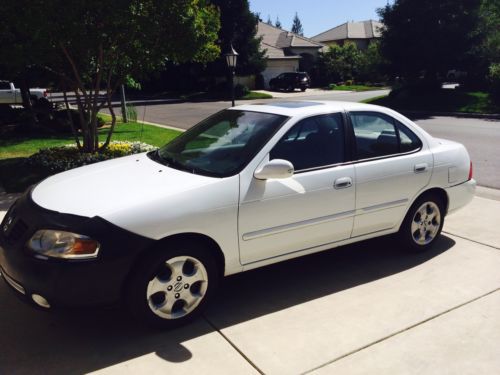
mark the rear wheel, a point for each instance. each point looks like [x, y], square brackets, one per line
[171, 287]
[423, 223]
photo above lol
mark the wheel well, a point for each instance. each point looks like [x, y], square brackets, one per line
[441, 193]
[204, 240]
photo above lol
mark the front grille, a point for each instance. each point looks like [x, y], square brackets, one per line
[13, 228]
[17, 231]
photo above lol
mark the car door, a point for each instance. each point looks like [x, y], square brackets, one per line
[392, 166]
[313, 207]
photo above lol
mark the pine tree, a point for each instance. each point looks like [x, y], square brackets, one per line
[269, 22]
[277, 23]
[297, 26]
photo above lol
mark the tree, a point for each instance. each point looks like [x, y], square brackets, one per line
[269, 21]
[238, 28]
[91, 46]
[277, 23]
[428, 36]
[488, 52]
[297, 26]
[372, 66]
[340, 63]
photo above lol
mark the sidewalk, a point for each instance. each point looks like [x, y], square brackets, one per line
[364, 308]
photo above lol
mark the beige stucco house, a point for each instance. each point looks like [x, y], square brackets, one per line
[360, 33]
[286, 51]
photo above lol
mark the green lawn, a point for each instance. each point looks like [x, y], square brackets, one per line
[22, 145]
[16, 175]
[441, 101]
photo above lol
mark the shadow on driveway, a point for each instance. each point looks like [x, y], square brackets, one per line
[83, 341]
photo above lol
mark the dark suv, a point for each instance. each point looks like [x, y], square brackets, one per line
[290, 81]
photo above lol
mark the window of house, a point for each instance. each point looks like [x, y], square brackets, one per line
[312, 143]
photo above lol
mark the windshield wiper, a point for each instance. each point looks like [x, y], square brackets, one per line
[171, 162]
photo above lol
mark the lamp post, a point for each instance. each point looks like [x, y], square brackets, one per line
[231, 58]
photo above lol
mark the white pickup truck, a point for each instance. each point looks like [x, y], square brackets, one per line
[12, 95]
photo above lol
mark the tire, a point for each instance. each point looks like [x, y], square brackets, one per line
[419, 233]
[172, 286]
[302, 89]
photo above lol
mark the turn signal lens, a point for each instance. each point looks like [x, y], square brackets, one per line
[61, 244]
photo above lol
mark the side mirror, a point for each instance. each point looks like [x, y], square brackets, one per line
[277, 168]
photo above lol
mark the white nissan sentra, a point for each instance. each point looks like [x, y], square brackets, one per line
[249, 186]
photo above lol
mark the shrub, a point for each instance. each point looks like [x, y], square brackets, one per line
[494, 77]
[240, 90]
[349, 82]
[63, 158]
[332, 86]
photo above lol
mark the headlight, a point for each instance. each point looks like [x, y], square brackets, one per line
[60, 244]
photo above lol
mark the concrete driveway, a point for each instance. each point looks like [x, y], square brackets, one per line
[364, 308]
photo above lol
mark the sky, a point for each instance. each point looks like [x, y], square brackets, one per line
[317, 16]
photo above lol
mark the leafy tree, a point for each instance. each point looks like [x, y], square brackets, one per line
[92, 46]
[488, 52]
[372, 66]
[277, 23]
[428, 36]
[238, 28]
[297, 26]
[340, 62]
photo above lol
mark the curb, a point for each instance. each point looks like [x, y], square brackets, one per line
[491, 116]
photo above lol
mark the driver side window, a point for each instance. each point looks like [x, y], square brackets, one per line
[314, 142]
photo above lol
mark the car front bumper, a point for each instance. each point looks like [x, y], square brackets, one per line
[65, 282]
[460, 195]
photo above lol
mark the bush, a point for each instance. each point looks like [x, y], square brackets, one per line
[59, 121]
[349, 82]
[494, 77]
[240, 90]
[63, 158]
[332, 86]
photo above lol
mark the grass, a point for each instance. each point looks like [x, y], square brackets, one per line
[253, 95]
[24, 145]
[355, 88]
[444, 100]
[16, 175]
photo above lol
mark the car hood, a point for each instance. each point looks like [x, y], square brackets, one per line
[106, 188]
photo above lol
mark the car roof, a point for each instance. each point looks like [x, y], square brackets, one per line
[306, 107]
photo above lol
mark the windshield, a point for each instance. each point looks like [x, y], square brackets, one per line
[222, 145]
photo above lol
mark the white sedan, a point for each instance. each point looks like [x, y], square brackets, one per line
[249, 186]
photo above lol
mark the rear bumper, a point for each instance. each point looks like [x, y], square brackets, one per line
[460, 195]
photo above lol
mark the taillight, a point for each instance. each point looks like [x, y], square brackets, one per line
[470, 171]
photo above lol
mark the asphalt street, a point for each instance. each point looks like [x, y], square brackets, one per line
[480, 136]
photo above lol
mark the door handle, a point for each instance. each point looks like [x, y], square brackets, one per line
[420, 168]
[342, 183]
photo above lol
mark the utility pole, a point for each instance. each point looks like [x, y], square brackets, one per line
[124, 104]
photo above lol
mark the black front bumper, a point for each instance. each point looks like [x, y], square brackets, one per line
[66, 282]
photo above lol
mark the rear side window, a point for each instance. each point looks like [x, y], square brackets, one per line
[409, 141]
[379, 135]
[314, 142]
[4, 86]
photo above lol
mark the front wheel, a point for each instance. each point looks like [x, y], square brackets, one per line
[172, 286]
[423, 223]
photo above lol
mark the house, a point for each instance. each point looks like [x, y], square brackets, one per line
[286, 51]
[360, 33]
